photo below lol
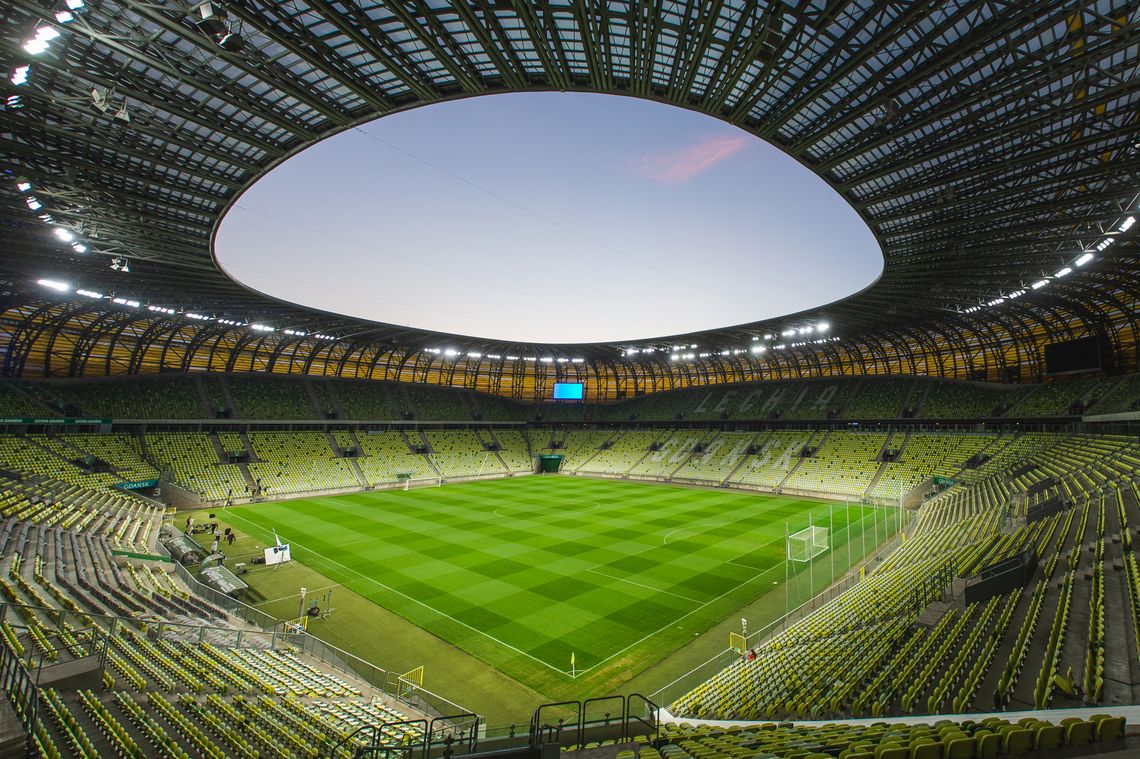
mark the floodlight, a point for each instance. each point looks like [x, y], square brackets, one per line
[34, 203]
[63, 16]
[822, 327]
[451, 352]
[20, 76]
[1063, 272]
[1084, 259]
[89, 293]
[230, 42]
[212, 20]
[1127, 224]
[63, 234]
[24, 186]
[52, 284]
[1039, 284]
[78, 247]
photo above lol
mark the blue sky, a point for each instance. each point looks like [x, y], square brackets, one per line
[548, 217]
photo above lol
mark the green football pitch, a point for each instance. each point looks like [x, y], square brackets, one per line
[526, 573]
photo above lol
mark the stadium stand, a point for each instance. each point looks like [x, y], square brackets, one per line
[876, 632]
[880, 399]
[1055, 398]
[286, 398]
[579, 446]
[672, 452]
[182, 676]
[17, 403]
[133, 398]
[1122, 395]
[459, 454]
[385, 455]
[297, 462]
[436, 404]
[717, 459]
[843, 464]
[776, 454]
[365, 400]
[191, 461]
[623, 452]
[962, 400]
[513, 450]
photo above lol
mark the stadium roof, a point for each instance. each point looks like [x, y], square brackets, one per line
[990, 146]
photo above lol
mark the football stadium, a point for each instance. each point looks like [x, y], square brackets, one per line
[697, 380]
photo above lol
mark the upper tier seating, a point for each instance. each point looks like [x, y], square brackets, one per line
[286, 398]
[436, 403]
[360, 399]
[966, 400]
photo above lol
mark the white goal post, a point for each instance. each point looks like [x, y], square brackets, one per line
[806, 544]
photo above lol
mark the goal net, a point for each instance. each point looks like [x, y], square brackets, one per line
[806, 544]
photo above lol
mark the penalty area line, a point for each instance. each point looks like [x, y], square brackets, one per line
[413, 600]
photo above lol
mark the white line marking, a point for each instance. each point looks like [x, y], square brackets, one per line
[647, 587]
[414, 600]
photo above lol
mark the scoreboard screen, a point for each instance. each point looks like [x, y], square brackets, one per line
[569, 391]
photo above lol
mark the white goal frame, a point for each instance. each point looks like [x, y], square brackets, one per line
[804, 545]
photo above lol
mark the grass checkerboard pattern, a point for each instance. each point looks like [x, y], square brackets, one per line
[522, 572]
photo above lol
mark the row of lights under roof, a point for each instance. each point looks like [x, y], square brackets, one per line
[63, 287]
[1079, 261]
[39, 43]
[680, 354]
[63, 234]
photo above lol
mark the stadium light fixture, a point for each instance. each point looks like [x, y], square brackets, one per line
[1039, 284]
[127, 302]
[262, 328]
[788, 333]
[78, 247]
[1064, 272]
[577, 360]
[758, 348]
[19, 77]
[33, 203]
[1126, 224]
[213, 21]
[52, 284]
[674, 357]
[494, 356]
[822, 327]
[64, 234]
[199, 317]
[1084, 259]
[450, 352]
[512, 358]
[88, 293]
[530, 358]
[24, 185]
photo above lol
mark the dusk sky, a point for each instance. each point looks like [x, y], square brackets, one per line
[548, 217]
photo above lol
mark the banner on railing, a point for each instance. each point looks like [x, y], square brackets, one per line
[137, 485]
[51, 420]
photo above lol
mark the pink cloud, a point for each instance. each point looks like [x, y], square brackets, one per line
[680, 166]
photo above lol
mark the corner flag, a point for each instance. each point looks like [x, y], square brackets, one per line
[572, 674]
